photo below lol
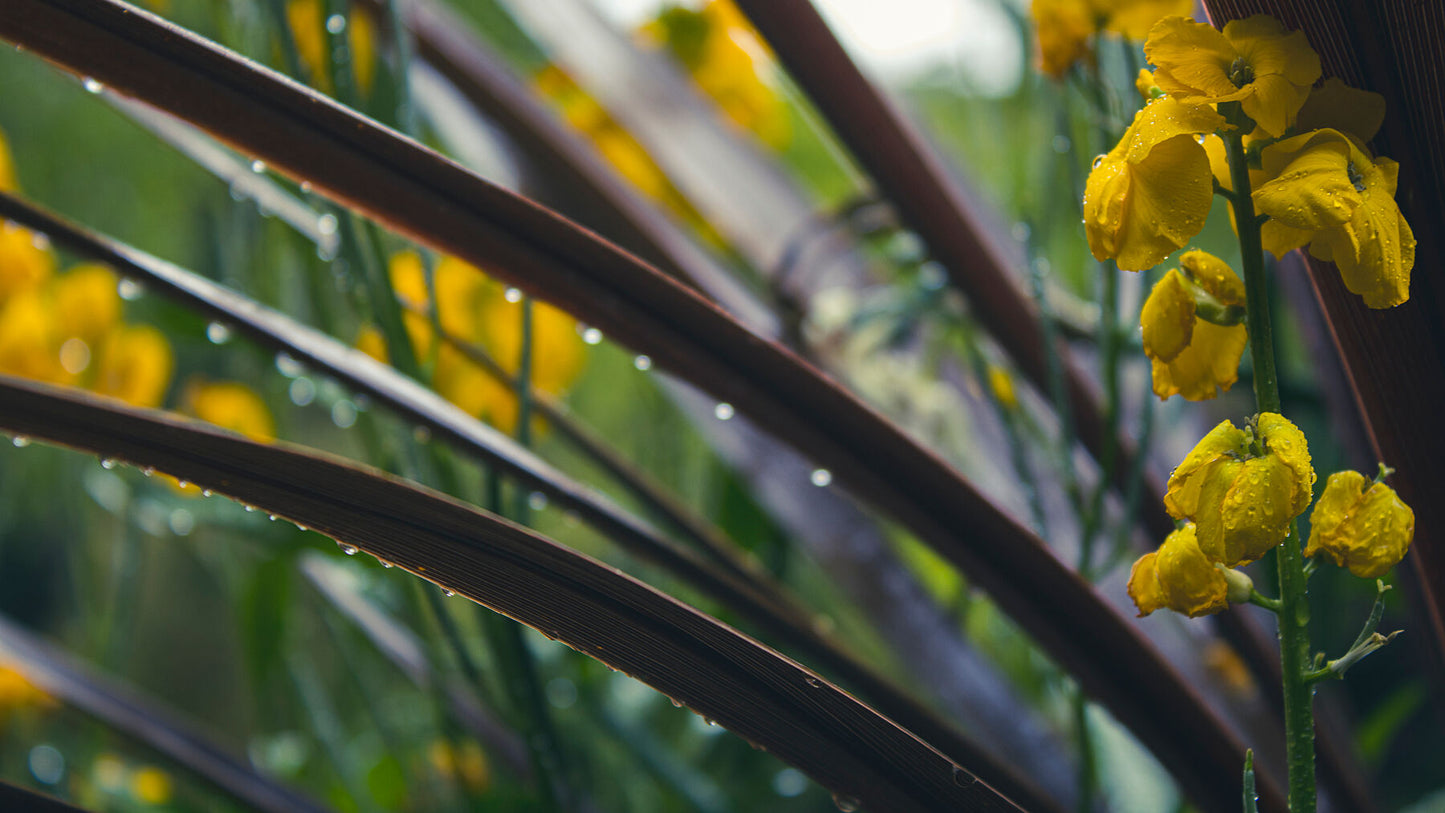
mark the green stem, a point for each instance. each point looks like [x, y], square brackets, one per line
[1293, 613]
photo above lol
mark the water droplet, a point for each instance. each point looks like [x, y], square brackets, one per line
[206, 492]
[250, 508]
[306, 187]
[271, 517]
[349, 550]
[449, 593]
[1098, 159]
[258, 166]
[107, 463]
[847, 804]
[677, 704]
[1021, 232]
[336, 23]
[300, 527]
[592, 336]
[129, 289]
[386, 564]
[963, 778]
[643, 363]
[812, 681]
[421, 434]
[92, 85]
[20, 441]
[40, 240]
[182, 522]
[512, 294]
[537, 501]
[218, 333]
[148, 470]
[343, 414]
[302, 391]
[288, 366]
[821, 477]
[723, 411]
[1061, 144]
[326, 224]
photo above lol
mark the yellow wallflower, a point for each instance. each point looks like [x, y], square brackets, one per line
[1342, 200]
[1151, 194]
[87, 305]
[465, 764]
[1338, 106]
[1241, 487]
[30, 340]
[1002, 385]
[231, 405]
[1066, 28]
[17, 692]
[24, 266]
[1361, 525]
[1191, 356]
[1178, 577]
[1254, 61]
[7, 167]
[557, 351]
[135, 365]
[152, 786]
[306, 18]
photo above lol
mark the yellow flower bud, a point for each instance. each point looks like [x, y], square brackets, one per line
[1360, 525]
[1178, 577]
[1242, 487]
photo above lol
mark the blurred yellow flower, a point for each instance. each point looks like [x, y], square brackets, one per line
[1002, 385]
[1065, 28]
[308, 28]
[557, 350]
[30, 340]
[230, 405]
[464, 763]
[1145, 85]
[24, 265]
[1151, 193]
[1241, 487]
[1360, 525]
[135, 365]
[17, 692]
[7, 167]
[728, 61]
[1192, 356]
[87, 305]
[1178, 577]
[151, 785]
[1325, 186]
[1335, 105]
[1254, 61]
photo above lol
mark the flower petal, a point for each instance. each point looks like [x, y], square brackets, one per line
[1256, 510]
[1310, 187]
[1191, 59]
[1169, 199]
[1182, 497]
[1188, 581]
[1338, 106]
[1167, 318]
[1286, 443]
[1144, 584]
[1214, 276]
[1208, 366]
[1272, 51]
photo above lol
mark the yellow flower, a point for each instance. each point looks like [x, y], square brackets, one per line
[1065, 28]
[464, 763]
[233, 406]
[557, 351]
[1191, 356]
[308, 29]
[24, 266]
[30, 340]
[87, 305]
[1254, 61]
[1335, 105]
[17, 692]
[1241, 487]
[135, 365]
[1179, 577]
[1360, 525]
[1151, 193]
[1135, 18]
[7, 167]
[1276, 238]
[151, 786]
[1343, 201]
[1145, 85]
[1002, 385]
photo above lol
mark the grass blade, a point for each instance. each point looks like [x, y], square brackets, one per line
[692, 658]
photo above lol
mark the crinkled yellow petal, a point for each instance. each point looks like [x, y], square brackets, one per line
[1208, 366]
[1214, 483]
[1214, 276]
[1335, 105]
[1360, 525]
[1167, 318]
[1167, 205]
[1256, 510]
[1375, 250]
[1191, 59]
[135, 365]
[1144, 584]
[1274, 102]
[1285, 442]
[1310, 186]
[1105, 195]
[1273, 51]
[1182, 495]
[1162, 120]
[1189, 582]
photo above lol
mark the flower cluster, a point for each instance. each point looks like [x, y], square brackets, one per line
[1311, 173]
[475, 310]
[1237, 493]
[1192, 328]
[1066, 29]
[1360, 525]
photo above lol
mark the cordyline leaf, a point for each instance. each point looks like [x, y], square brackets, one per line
[145, 720]
[416, 192]
[692, 658]
[753, 596]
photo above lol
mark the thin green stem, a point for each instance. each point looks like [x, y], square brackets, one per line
[1293, 614]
